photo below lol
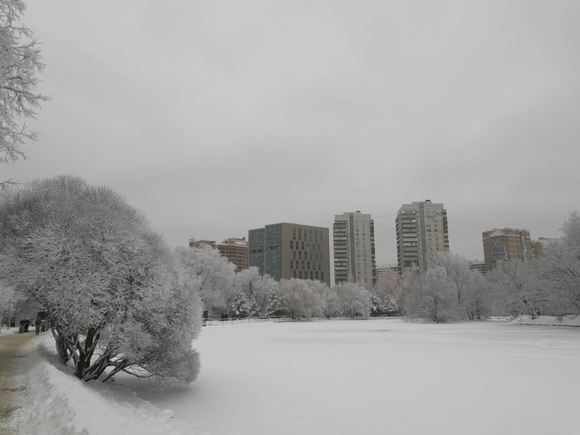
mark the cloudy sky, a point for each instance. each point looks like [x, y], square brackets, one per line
[216, 117]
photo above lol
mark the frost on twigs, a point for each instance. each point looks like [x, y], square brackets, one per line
[115, 294]
[20, 61]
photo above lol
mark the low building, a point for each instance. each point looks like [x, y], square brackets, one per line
[235, 250]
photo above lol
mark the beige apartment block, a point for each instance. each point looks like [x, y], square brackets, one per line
[287, 250]
[422, 231]
[506, 244]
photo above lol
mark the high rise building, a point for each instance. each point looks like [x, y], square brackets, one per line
[354, 248]
[235, 250]
[287, 250]
[506, 244]
[421, 231]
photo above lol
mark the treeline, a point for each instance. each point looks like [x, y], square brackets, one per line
[449, 290]
[248, 294]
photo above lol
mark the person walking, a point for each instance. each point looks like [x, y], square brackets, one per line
[37, 324]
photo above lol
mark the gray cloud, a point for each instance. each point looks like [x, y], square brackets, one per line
[218, 117]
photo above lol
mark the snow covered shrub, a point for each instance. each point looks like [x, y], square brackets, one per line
[254, 292]
[115, 295]
[298, 300]
[354, 300]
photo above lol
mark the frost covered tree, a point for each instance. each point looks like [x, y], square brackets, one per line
[241, 306]
[297, 299]
[9, 300]
[560, 269]
[354, 299]
[255, 289]
[517, 289]
[20, 61]
[458, 272]
[214, 275]
[478, 301]
[381, 307]
[273, 303]
[430, 296]
[116, 296]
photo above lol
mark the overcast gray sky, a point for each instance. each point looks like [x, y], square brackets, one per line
[216, 117]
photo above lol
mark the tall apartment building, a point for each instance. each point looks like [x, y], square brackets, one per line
[287, 250]
[421, 231]
[235, 250]
[506, 244]
[354, 248]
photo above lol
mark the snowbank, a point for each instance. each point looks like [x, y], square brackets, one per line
[547, 321]
[55, 402]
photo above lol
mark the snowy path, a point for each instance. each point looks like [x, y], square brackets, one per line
[11, 346]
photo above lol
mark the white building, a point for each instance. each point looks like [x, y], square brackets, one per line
[354, 248]
[421, 231]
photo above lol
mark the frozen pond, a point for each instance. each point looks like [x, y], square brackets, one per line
[378, 376]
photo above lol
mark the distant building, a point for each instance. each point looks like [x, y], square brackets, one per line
[193, 243]
[506, 244]
[539, 245]
[422, 230]
[286, 250]
[235, 250]
[354, 248]
[386, 268]
[478, 265]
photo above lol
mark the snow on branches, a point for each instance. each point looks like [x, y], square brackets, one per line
[115, 294]
[20, 61]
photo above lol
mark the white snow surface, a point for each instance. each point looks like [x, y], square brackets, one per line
[330, 377]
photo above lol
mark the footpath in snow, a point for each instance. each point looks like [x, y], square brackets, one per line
[54, 402]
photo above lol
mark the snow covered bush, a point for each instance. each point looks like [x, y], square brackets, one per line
[297, 299]
[116, 296]
[429, 296]
[353, 299]
[253, 293]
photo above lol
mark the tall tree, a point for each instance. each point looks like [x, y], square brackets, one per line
[213, 274]
[115, 295]
[20, 61]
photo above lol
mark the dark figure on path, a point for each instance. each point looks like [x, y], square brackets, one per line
[37, 324]
[21, 326]
[26, 325]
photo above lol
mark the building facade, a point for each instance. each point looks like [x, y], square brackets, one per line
[287, 250]
[236, 251]
[506, 244]
[193, 243]
[422, 231]
[539, 245]
[354, 248]
[478, 265]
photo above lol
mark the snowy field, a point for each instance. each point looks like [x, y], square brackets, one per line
[332, 377]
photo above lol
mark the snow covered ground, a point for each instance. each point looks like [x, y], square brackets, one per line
[331, 377]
